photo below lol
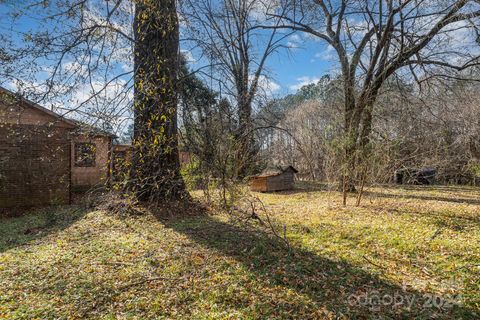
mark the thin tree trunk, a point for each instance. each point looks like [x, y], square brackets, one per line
[350, 145]
[245, 139]
[362, 186]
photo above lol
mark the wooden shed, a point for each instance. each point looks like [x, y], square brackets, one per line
[274, 179]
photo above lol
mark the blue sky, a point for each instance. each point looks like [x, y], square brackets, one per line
[307, 60]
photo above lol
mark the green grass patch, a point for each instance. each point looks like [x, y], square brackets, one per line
[419, 246]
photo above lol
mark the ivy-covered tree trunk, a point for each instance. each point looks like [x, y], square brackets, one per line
[155, 174]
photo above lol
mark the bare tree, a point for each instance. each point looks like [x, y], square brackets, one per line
[75, 56]
[375, 39]
[226, 34]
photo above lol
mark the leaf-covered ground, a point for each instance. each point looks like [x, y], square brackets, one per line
[405, 253]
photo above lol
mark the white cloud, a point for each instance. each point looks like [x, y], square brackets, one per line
[105, 91]
[309, 36]
[272, 86]
[303, 81]
[259, 9]
[267, 85]
[25, 87]
[188, 55]
[327, 54]
[294, 41]
[100, 102]
[11, 85]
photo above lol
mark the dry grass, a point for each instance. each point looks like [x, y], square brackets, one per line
[418, 244]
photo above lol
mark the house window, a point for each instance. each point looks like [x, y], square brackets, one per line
[85, 154]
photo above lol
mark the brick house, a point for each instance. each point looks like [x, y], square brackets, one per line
[44, 156]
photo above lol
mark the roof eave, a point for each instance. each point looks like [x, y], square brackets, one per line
[39, 107]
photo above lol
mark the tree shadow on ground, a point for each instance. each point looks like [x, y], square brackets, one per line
[434, 187]
[35, 224]
[449, 220]
[303, 187]
[451, 199]
[336, 286]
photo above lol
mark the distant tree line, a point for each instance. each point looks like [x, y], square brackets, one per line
[437, 127]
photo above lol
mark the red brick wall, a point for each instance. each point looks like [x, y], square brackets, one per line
[83, 178]
[34, 165]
